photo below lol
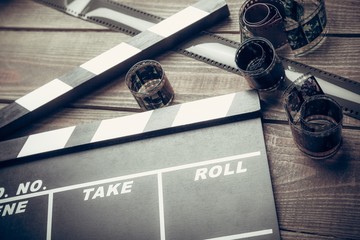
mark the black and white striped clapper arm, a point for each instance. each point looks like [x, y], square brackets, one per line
[116, 61]
[176, 118]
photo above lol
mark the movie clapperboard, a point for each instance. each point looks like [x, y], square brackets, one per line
[197, 170]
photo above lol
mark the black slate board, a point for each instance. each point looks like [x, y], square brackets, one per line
[211, 182]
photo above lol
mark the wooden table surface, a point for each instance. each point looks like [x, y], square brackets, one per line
[314, 200]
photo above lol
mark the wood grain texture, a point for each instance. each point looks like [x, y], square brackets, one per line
[315, 200]
[315, 197]
[343, 15]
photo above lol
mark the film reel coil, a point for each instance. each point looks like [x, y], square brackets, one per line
[259, 64]
[300, 24]
[315, 119]
[149, 85]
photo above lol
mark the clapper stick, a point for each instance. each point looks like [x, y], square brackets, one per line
[103, 68]
[180, 117]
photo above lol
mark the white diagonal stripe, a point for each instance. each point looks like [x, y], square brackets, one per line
[178, 21]
[203, 110]
[161, 206]
[244, 235]
[122, 126]
[50, 216]
[110, 58]
[46, 141]
[43, 94]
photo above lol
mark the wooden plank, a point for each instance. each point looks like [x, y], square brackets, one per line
[30, 14]
[291, 235]
[15, 14]
[314, 196]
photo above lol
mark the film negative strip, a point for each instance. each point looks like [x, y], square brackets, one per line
[310, 29]
[154, 40]
[110, 14]
[181, 117]
[263, 18]
[301, 24]
[345, 91]
[315, 119]
[218, 51]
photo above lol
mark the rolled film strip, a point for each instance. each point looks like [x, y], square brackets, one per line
[149, 85]
[297, 92]
[315, 120]
[259, 64]
[263, 19]
[119, 59]
[219, 51]
[181, 117]
[310, 30]
[301, 24]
